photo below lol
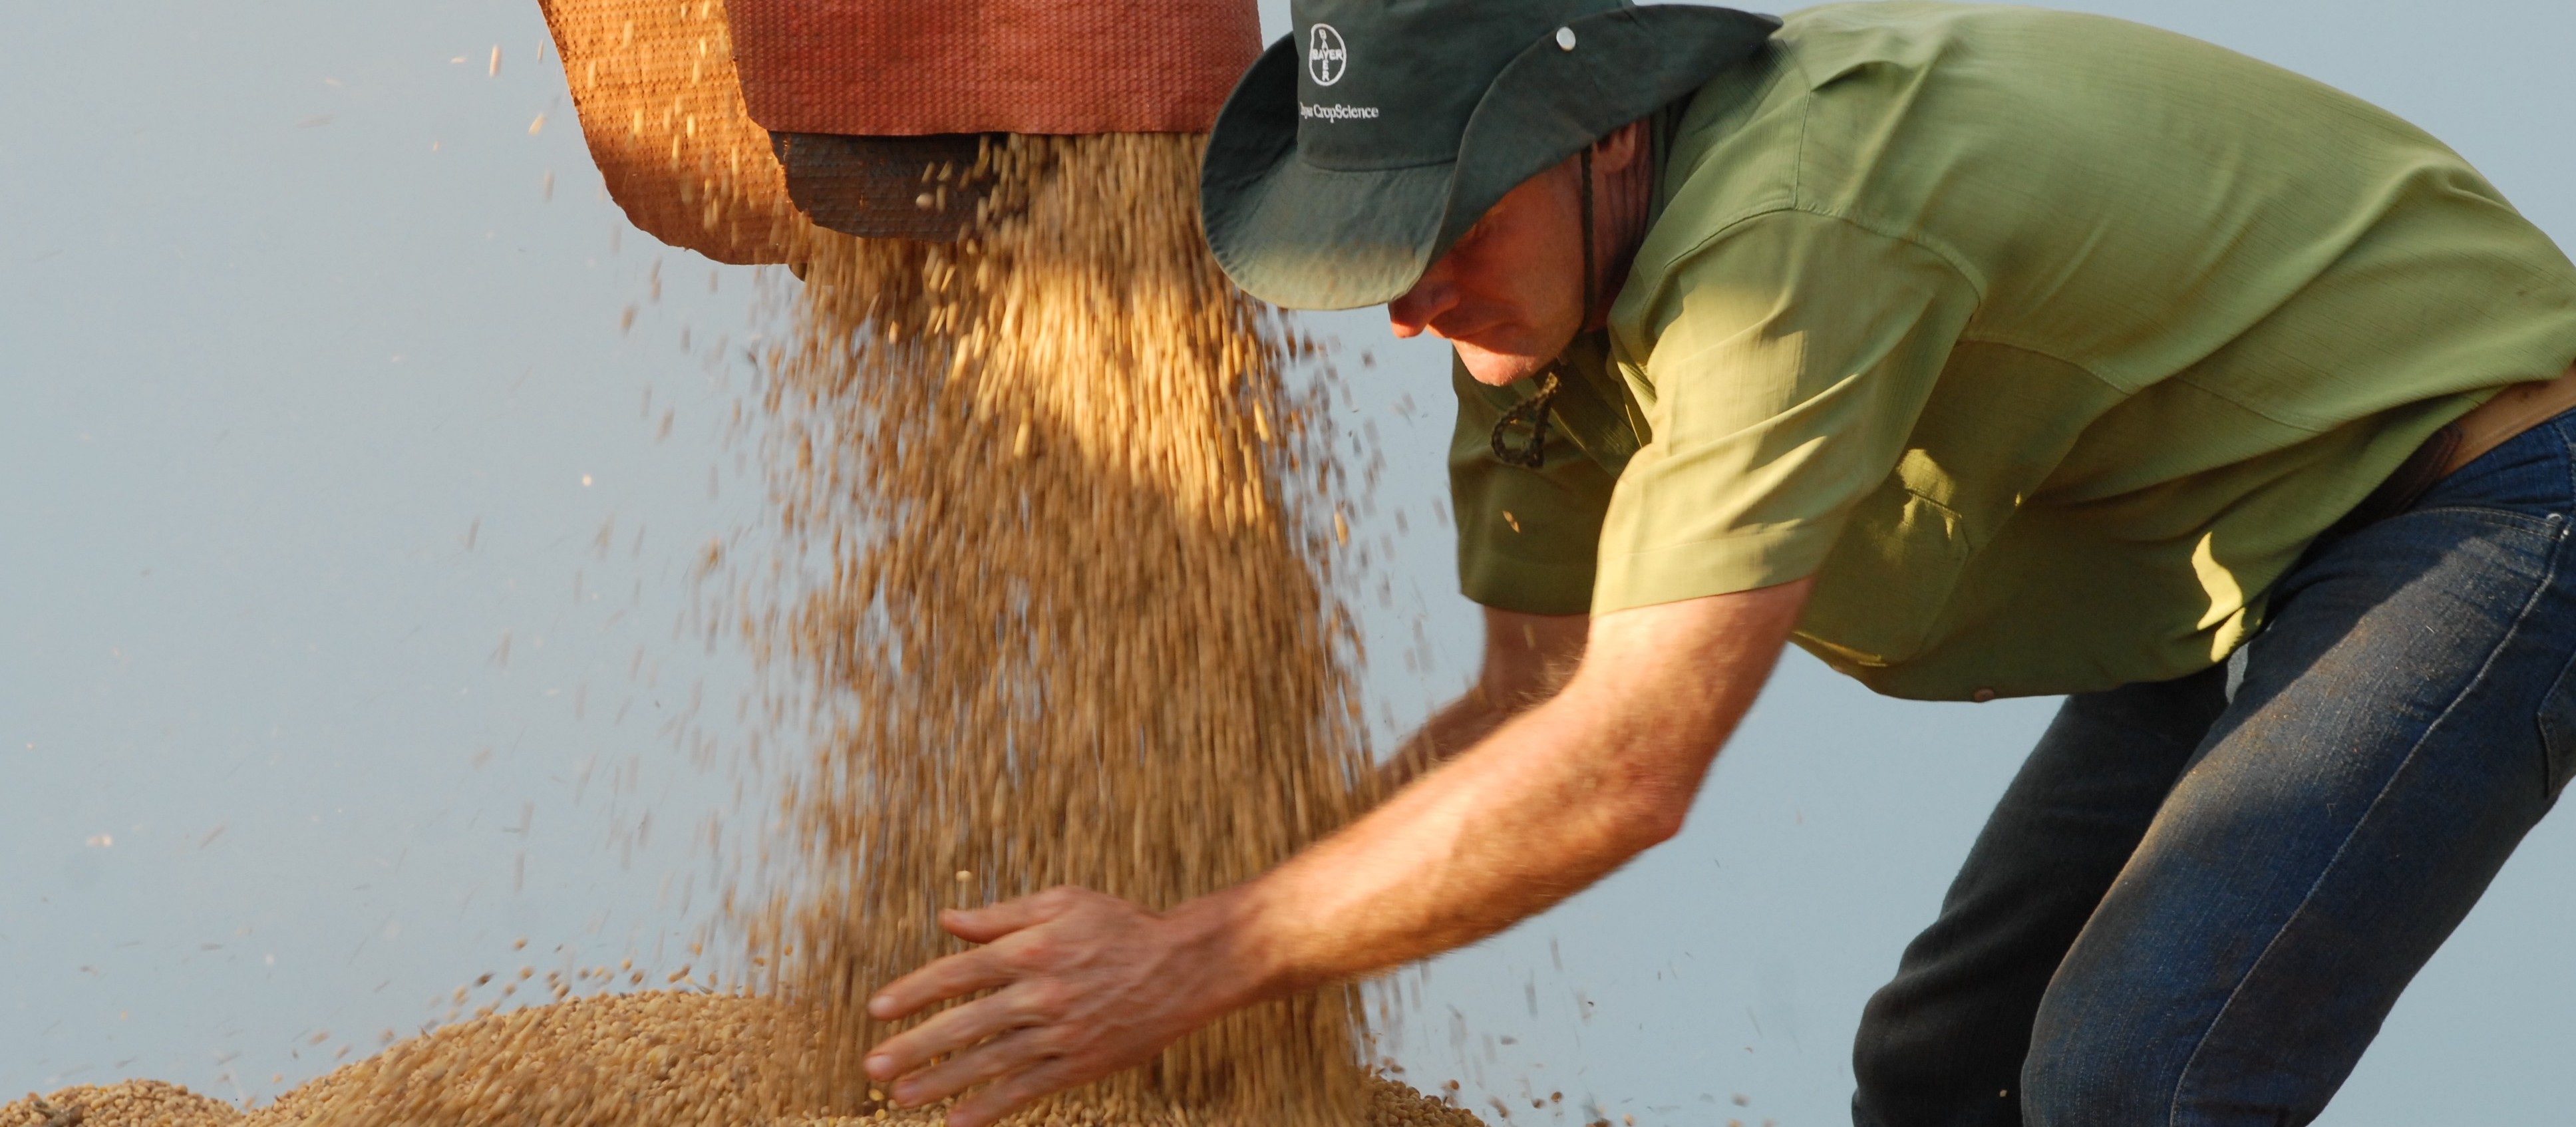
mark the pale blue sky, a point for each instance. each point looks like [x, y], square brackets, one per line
[288, 320]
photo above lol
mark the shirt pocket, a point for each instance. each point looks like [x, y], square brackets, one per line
[1885, 583]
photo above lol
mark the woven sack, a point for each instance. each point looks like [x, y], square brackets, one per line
[653, 82]
[879, 67]
[725, 128]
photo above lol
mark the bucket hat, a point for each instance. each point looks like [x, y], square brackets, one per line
[1362, 144]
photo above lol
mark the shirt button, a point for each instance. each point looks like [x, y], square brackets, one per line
[1981, 696]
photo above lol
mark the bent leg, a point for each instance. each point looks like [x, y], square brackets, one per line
[1942, 1044]
[2383, 757]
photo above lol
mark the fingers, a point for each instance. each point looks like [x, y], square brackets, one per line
[947, 1033]
[952, 977]
[1011, 1052]
[966, 973]
[1040, 953]
[986, 924]
[995, 1101]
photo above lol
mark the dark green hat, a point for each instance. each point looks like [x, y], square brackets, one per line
[1365, 142]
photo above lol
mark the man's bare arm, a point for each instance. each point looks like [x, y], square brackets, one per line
[1553, 801]
[1084, 984]
[1528, 657]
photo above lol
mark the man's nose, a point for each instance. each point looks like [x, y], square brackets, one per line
[1412, 314]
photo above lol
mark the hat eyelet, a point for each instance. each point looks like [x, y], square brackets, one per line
[1565, 39]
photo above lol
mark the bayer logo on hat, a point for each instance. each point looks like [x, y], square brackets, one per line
[1326, 57]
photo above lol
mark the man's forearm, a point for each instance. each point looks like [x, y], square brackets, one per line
[1461, 724]
[1527, 658]
[1505, 831]
[1551, 802]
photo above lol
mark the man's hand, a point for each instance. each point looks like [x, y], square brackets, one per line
[1083, 984]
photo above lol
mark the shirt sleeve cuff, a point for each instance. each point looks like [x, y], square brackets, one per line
[1745, 561]
[1527, 586]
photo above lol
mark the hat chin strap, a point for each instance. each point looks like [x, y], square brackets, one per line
[1534, 409]
[1591, 268]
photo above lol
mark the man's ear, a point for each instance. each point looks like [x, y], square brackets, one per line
[1623, 147]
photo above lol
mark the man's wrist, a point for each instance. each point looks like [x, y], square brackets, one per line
[1245, 962]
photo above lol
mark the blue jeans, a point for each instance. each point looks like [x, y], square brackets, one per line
[2195, 906]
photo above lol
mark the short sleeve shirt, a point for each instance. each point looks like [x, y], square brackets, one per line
[2045, 342]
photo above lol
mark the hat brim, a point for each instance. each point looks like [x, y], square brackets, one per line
[1304, 237]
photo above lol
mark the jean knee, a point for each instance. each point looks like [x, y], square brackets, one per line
[2095, 1073]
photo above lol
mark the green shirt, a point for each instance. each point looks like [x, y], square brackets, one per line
[2045, 342]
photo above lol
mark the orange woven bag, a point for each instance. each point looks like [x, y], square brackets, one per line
[662, 112]
[724, 127]
[878, 68]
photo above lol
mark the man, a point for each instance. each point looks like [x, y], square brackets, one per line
[1984, 352]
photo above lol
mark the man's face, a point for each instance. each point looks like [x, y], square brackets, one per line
[1509, 295]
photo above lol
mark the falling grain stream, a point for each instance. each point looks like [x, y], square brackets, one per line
[1075, 624]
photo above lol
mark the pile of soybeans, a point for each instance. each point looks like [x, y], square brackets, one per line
[660, 1059]
[1052, 603]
